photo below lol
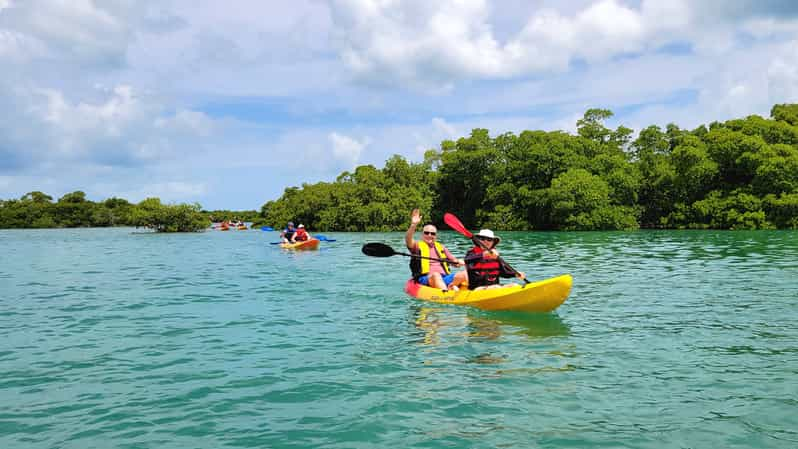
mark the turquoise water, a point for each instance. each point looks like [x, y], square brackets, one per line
[110, 339]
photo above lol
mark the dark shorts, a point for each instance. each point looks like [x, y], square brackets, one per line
[447, 279]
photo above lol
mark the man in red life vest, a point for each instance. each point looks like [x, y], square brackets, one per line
[482, 264]
[301, 235]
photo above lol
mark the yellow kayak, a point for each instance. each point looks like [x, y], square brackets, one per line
[540, 296]
[307, 244]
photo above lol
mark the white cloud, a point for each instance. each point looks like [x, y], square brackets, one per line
[135, 190]
[81, 128]
[670, 15]
[432, 44]
[444, 128]
[606, 28]
[346, 149]
[311, 79]
[16, 47]
[783, 76]
[174, 190]
[81, 31]
[768, 27]
[115, 127]
[566, 124]
[190, 121]
[121, 107]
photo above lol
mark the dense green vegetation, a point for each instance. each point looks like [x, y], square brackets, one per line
[37, 210]
[152, 214]
[741, 174]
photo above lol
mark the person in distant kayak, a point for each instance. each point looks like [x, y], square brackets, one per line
[301, 235]
[430, 272]
[482, 264]
[288, 233]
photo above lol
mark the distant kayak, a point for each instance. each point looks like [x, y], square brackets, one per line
[307, 244]
[266, 228]
[540, 296]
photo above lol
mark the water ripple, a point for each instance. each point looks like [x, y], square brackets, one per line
[669, 339]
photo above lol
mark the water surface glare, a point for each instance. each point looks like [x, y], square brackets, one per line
[112, 339]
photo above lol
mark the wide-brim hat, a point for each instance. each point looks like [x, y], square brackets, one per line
[301, 226]
[487, 233]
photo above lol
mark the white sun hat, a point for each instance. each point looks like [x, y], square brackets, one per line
[487, 233]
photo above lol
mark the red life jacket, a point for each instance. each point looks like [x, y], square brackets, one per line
[300, 235]
[482, 271]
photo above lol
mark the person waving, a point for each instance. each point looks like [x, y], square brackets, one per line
[433, 273]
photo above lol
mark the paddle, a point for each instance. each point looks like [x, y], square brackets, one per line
[382, 250]
[457, 225]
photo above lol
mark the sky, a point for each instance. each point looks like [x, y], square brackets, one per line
[229, 103]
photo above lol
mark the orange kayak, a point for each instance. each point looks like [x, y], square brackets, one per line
[307, 244]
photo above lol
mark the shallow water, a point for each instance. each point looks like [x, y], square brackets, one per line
[668, 340]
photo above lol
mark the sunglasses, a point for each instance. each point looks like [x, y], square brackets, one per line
[430, 233]
[485, 239]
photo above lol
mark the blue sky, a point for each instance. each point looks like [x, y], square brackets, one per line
[227, 104]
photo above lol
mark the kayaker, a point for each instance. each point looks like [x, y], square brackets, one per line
[288, 233]
[482, 264]
[301, 235]
[430, 272]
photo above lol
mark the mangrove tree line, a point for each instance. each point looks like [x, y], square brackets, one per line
[739, 174]
[38, 210]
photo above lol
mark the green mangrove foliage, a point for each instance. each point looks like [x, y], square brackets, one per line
[37, 210]
[150, 213]
[368, 199]
[741, 174]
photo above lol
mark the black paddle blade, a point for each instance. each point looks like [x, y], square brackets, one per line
[378, 250]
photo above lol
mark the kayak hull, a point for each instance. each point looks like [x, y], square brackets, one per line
[306, 245]
[540, 296]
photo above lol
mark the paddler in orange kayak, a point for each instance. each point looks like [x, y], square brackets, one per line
[301, 235]
[288, 233]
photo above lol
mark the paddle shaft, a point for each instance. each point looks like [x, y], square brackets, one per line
[416, 256]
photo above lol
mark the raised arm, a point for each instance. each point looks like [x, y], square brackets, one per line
[415, 219]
